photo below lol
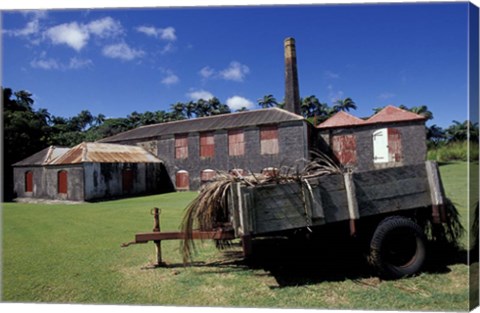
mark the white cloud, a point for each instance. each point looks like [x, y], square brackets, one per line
[170, 79]
[333, 94]
[237, 102]
[235, 72]
[161, 33]
[31, 28]
[105, 27]
[200, 94]
[207, 72]
[122, 51]
[76, 63]
[168, 48]
[76, 35]
[72, 34]
[45, 64]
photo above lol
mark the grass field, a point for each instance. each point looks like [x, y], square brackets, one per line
[71, 254]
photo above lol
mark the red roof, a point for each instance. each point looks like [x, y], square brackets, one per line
[394, 114]
[341, 119]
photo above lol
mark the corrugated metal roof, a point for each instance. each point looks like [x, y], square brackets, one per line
[43, 157]
[394, 114]
[388, 114]
[225, 121]
[341, 119]
[105, 153]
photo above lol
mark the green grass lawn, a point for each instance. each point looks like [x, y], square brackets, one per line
[71, 254]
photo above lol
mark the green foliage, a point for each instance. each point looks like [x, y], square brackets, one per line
[454, 151]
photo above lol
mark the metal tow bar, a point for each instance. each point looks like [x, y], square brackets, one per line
[157, 236]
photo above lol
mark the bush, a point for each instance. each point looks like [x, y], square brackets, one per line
[455, 151]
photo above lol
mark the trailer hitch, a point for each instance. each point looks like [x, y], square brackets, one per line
[157, 236]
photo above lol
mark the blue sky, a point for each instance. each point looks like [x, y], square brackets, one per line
[116, 61]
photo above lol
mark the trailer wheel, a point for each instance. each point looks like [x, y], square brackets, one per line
[397, 248]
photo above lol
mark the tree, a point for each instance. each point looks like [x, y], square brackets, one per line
[309, 105]
[24, 99]
[422, 110]
[178, 111]
[462, 131]
[190, 109]
[344, 105]
[24, 132]
[435, 134]
[267, 101]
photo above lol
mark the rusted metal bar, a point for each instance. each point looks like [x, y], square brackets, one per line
[153, 236]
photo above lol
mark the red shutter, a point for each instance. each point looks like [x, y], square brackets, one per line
[236, 144]
[181, 146]
[62, 182]
[394, 145]
[269, 140]
[345, 149]
[29, 181]
[207, 145]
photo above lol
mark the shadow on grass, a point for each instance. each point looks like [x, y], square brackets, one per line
[309, 262]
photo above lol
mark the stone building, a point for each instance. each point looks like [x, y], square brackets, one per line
[194, 150]
[392, 137]
[89, 171]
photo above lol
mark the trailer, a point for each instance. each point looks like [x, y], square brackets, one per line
[387, 206]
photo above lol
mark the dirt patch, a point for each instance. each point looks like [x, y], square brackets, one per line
[46, 201]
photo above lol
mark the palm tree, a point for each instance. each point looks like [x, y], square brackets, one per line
[344, 105]
[24, 100]
[435, 134]
[462, 131]
[178, 110]
[309, 106]
[190, 109]
[267, 101]
[202, 108]
[423, 111]
[99, 119]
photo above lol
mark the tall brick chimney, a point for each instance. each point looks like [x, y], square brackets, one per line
[292, 93]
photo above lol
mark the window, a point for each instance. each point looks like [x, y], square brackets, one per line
[387, 145]
[127, 180]
[28, 181]
[236, 143]
[182, 180]
[269, 140]
[181, 146]
[207, 145]
[62, 180]
[345, 149]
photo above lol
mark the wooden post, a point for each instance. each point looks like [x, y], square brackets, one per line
[158, 243]
[436, 192]
[351, 201]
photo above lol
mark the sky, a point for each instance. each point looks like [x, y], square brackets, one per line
[116, 61]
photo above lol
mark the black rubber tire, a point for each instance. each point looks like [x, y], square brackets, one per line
[398, 248]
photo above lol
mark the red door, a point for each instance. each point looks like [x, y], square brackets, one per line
[28, 181]
[127, 180]
[62, 182]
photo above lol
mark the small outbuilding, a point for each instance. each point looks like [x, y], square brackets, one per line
[392, 137]
[90, 171]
